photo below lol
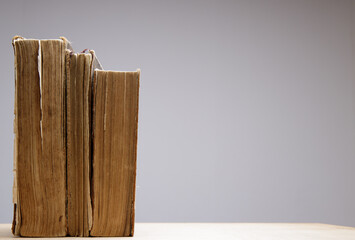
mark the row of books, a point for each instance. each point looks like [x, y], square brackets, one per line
[75, 144]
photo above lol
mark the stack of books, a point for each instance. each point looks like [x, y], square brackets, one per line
[75, 143]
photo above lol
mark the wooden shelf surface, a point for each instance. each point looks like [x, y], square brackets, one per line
[236, 231]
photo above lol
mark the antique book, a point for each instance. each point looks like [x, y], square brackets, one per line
[79, 73]
[78, 89]
[39, 149]
[115, 119]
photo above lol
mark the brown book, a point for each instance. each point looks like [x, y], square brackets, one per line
[78, 86]
[40, 156]
[115, 118]
[79, 73]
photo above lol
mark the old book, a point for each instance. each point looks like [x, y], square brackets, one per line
[79, 73]
[40, 156]
[78, 85]
[115, 118]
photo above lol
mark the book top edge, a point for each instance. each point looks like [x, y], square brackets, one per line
[113, 71]
[78, 53]
[32, 39]
[60, 39]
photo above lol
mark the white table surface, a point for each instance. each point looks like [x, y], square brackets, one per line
[215, 231]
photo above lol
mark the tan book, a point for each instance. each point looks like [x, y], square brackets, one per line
[78, 86]
[39, 152]
[79, 73]
[115, 122]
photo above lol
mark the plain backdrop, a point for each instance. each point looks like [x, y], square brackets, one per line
[247, 108]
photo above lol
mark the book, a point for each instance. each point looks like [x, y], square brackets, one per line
[79, 74]
[115, 122]
[40, 153]
[73, 176]
[78, 89]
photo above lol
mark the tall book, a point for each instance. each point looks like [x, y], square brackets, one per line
[79, 73]
[115, 122]
[78, 88]
[39, 126]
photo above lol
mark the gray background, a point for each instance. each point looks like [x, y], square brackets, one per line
[247, 108]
